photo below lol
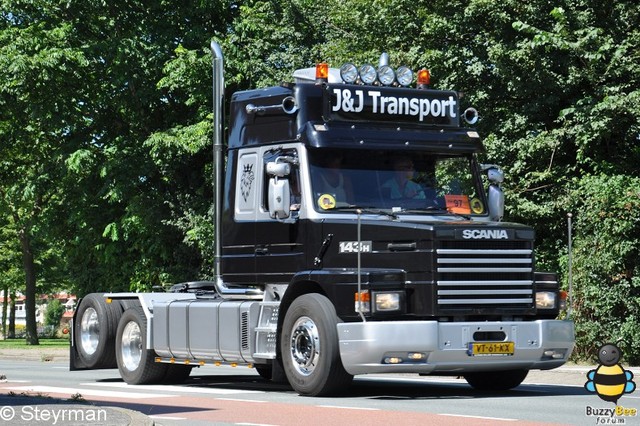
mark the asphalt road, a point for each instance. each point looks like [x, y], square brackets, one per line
[225, 395]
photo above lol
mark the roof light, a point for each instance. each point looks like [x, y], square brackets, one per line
[404, 76]
[368, 74]
[424, 78]
[386, 75]
[322, 72]
[349, 73]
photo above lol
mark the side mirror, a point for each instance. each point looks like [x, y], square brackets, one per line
[496, 202]
[279, 192]
[495, 194]
[279, 198]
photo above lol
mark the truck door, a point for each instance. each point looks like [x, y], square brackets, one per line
[239, 266]
[279, 245]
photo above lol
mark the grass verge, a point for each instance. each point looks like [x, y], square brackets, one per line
[44, 343]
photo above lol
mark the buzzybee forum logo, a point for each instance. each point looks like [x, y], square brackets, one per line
[610, 381]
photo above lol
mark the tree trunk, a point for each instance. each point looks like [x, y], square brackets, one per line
[5, 302]
[12, 315]
[30, 290]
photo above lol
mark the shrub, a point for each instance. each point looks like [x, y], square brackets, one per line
[606, 290]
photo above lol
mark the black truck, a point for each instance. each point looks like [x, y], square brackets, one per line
[356, 233]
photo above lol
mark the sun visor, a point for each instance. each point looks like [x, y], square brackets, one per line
[363, 136]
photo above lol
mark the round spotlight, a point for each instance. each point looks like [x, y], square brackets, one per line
[349, 73]
[368, 74]
[404, 76]
[386, 75]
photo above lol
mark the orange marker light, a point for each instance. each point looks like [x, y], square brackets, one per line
[363, 296]
[322, 71]
[363, 301]
[424, 77]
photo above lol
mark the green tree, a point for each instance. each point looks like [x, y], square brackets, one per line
[35, 66]
[53, 313]
[109, 156]
[607, 263]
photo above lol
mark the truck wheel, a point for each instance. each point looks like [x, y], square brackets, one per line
[95, 331]
[136, 362]
[264, 371]
[496, 380]
[309, 347]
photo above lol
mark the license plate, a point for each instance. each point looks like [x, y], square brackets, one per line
[491, 349]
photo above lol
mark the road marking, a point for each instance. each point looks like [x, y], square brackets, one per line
[253, 424]
[423, 379]
[160, 417]
[479, 417]
[89, 392]
[173, 388]
[239, 400]
[550, 384]
[348, 408]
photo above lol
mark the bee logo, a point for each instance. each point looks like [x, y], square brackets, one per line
[610, 381]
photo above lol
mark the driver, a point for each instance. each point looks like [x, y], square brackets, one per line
[401, 185]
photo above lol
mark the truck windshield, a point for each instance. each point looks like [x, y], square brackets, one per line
[395, 181]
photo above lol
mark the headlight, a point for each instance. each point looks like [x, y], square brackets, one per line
[349, 73]
[545, 300]
[386, 302]
[368, 74]
[404, 76]
[386, 75]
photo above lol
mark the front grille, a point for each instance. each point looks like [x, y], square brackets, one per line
[484, 275]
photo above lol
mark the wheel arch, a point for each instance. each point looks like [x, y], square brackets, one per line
[297, 288]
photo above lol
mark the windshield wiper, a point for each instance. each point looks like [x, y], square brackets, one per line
[367, 209]
[434, 209]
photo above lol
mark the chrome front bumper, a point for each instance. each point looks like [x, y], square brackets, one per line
[364, 346]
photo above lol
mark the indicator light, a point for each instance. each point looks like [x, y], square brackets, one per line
[424, 78]
[322, 72]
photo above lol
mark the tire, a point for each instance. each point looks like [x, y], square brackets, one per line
[95, 331]
[176, 373]
[309, 347]
[496, 380]
[265, 371]
[136, 362]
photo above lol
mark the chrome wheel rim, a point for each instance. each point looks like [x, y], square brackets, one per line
[89, 331]
[305, 346]
[131, 346]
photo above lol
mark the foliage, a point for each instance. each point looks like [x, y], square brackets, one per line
[607, 263]
[53, 313]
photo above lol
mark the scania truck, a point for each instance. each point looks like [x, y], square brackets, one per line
[356, 232]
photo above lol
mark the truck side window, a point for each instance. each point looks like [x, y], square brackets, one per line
[294, 185]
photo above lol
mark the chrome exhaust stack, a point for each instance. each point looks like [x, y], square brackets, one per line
[217, 63]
